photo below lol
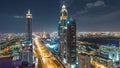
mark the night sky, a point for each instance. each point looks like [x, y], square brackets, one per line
[90, 15]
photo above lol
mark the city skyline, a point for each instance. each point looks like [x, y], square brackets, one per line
[90, 15]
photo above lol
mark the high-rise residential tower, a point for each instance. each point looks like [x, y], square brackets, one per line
[71, 43]
[29, 26]
[62, 31]
[27, 48]
[67, 41]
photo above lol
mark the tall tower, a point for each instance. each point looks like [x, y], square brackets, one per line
[62, 34]
[67, 41]
[71, 43]
[44, 35]
[29, 26]
[27, 47]
[63, 13]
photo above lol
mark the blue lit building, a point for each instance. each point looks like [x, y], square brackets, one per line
[110, 52]
[67, 39]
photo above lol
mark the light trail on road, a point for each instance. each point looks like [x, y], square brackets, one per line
[47, 59]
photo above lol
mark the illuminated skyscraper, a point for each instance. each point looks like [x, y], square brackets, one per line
[63, 34]
[67, 43]
[27, 48]
[71, 43]
[63, 13]
[29, 26]
[44, 35]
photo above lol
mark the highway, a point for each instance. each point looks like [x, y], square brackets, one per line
[98, 65]
[45, 58]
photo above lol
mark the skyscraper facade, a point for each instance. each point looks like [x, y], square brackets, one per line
[84, 61]
[44, 35]
[27, 48]
[63, 34]
[67, 41]
[29, 26]
[71, 43]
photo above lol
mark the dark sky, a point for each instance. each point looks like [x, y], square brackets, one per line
[90, 15]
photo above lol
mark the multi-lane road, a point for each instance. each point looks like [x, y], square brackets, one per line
[45, 59]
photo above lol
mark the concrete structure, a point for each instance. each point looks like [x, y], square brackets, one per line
[84, 61]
